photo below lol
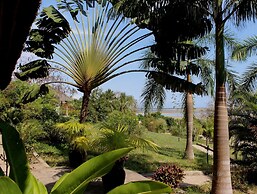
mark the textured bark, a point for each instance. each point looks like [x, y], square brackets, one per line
[16, 17]
[221, 183]
[189, 152]
[84, 107]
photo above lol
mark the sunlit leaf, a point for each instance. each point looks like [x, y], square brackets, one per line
[142, 187]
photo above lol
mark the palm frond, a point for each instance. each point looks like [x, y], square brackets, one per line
[246, 10]
[142, 143]
[247, 48]
[207, 74]
[94, 59]
[73, 127]
[176, 84]
[232, 80]
[248, 82]
[153, 94]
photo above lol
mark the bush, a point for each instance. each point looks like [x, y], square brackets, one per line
[158, 125]
[128, 119]
[169, 174]
[239, 178]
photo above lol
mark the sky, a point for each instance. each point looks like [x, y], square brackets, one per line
[133, 83]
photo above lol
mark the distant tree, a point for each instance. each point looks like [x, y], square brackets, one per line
[103, 103]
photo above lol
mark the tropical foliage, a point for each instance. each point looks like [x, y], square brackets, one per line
[21, 180]
[243, 130]
[247, 48]
[220, 12]
[89, 52]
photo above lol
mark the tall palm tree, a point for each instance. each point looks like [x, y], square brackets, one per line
[189, 115]
[90, 53]
[154, 93]
[220, 11]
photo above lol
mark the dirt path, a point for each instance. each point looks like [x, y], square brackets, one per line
[49, 175]
[202, 149]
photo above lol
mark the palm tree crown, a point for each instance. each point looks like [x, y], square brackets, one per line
[90, 52]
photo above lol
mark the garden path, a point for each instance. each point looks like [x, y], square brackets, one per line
[49, 175]
[202, 149]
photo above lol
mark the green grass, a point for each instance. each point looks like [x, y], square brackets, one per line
[171, 151]
[53, 156]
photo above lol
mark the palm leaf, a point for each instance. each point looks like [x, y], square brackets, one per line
[176, 84]
[248, 82]
[7, 185]
[78, 179]
[245, 11]
[153, 94]
[247, 48]
[19, 169]
[143, 187]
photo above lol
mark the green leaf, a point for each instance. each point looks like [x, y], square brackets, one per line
[16, 156]
[33, 186]
[144, 187]
[34, 93]
[76, 181]
[34, 69]
[8, 186]
[176, 84]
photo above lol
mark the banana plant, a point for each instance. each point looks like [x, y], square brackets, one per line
[21, 180]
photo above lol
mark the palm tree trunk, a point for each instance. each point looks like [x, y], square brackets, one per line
[189, 152]
[221, 183]
[84, 107]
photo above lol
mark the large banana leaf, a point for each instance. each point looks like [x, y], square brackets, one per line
[34, 69]
[76, 181]
[8, 186]
[144, 187]
[35, 92]
[16, 156]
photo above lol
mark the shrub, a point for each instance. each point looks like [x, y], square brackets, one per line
[128, 119]
[169, 174]
[239, 178]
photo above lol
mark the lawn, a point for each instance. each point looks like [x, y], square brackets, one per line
[171, 151]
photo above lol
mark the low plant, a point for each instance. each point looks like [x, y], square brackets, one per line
[239, 178]
[21, 180]
[169, 174]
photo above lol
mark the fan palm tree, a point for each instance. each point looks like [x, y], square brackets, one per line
[90, 53]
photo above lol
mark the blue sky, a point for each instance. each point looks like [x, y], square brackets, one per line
[132, 84]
